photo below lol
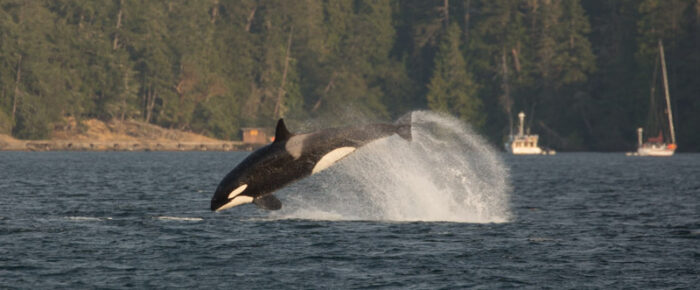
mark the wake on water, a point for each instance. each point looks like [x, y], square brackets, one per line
[447, 173]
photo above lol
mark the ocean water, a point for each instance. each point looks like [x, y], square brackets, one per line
[393, 215]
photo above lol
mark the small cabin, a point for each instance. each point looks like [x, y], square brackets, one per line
[255, 136]
[529, 141]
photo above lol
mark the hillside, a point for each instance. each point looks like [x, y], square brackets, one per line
[586, 73]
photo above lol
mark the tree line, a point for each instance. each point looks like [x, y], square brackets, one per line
[583, 71]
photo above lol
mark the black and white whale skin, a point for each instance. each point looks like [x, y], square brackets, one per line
[293, 157]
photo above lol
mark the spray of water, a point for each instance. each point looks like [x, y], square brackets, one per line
[447, 173]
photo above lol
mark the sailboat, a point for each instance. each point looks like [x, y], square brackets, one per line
[656, 146]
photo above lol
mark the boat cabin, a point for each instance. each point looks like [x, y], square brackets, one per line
[255, 136]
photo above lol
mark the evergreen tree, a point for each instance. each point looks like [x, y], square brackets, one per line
[212, 66]
[676, 23]
[358, 39]
[501, 61]
[279, 28]
[563, 59]
[31, 74]
[615, 91]
[451, 88]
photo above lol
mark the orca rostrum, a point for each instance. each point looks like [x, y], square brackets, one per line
[292, 157]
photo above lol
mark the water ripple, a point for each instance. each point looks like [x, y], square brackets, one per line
[136, 220]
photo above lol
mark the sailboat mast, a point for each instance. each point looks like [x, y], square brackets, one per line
[668, 98]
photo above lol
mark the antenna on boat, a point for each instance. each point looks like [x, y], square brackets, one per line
[521, 116]
[639, 136]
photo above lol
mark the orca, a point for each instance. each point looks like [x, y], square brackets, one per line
[291, 157]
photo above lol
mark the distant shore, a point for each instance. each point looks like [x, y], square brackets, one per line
[128, 135]
[82, 145]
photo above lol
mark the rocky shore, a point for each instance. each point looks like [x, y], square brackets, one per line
[96, 135]
[68, 145]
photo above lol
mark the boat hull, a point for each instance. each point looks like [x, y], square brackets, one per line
[526, 151]
[655, 150]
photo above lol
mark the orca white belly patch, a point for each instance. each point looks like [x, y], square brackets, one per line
[332, 157]
[238, 200]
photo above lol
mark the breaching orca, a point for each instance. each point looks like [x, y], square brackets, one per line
[292, 157]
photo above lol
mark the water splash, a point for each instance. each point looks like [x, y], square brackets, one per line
[447, 173]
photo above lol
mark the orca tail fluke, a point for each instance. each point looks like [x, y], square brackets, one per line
[403, 127]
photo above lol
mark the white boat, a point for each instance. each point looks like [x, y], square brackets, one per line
[656, 146]
[525, 144]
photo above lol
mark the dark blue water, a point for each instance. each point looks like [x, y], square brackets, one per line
[120, 220]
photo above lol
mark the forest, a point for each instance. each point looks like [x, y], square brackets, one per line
[585, 72]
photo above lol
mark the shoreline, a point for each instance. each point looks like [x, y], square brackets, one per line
[80, 145]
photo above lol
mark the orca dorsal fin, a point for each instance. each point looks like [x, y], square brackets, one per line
[281, 132]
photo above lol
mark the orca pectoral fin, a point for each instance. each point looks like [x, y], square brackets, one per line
[268, 202]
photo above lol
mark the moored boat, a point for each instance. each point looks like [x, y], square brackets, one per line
[525, 144]
[657, 146]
